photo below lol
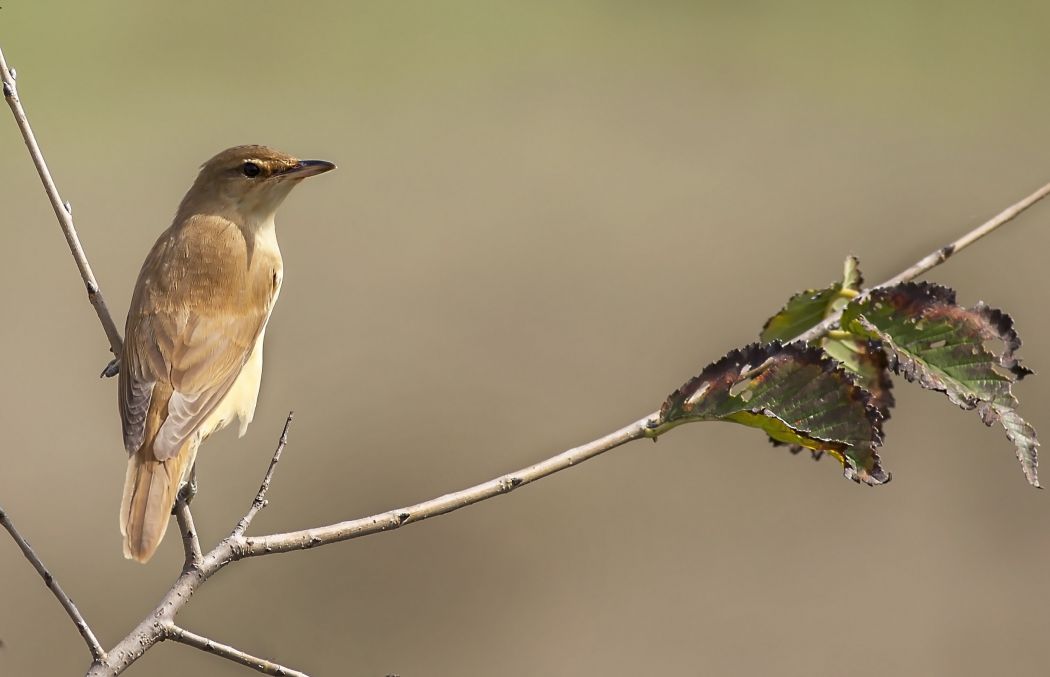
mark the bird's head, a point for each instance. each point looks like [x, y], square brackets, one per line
[248, 183]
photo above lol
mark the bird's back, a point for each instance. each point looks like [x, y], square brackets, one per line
[192, 358]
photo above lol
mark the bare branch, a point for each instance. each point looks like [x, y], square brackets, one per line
[62, 210]
[262, 665]
[937, 257]
[235, 546]
[49, 580]
[260, 498]
[309, 538]
[394, 519]
[190, 541]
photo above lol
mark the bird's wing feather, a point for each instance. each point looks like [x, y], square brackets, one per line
[135, 395]
[192, 326]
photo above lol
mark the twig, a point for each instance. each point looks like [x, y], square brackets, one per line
[394, 519]
[62, 211]
[939, 256]
[309, 538]
[49, 580]
[936, 257]
[260, 498]
[190, 541]
[235, 546]
[262, 665]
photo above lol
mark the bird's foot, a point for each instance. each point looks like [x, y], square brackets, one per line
[112, 369]
[188, 490]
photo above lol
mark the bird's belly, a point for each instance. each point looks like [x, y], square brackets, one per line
[240, 400]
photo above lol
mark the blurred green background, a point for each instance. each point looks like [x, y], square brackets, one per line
[547, 216]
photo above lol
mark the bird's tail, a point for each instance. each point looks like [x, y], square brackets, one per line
[150, 488]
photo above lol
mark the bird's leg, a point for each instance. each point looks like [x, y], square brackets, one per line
[188, 490]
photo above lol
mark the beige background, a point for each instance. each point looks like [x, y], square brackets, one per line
[547, 216]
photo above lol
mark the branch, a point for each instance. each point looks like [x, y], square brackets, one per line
[394, 519]
[190, 542]
[49, 580]
[262, 665]
[63, 212]
[234, 547]
[260, 498]
[310, 538]
[936, 257]
[939, 256]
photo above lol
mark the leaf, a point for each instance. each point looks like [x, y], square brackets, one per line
[942, 346]
[861, 356]
[870, 366]
[805, 310]
[802, 312]
[795, 394]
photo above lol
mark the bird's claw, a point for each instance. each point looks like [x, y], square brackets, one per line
[112, 369]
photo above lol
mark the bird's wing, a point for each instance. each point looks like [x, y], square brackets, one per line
[191, 327]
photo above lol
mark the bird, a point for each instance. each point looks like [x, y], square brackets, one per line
[192, 357]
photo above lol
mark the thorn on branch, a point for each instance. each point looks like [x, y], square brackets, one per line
[69, 207]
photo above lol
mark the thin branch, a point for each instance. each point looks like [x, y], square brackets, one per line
[394, 519]
[310, 538]
[152, 628]
[260, 498]
[939, 256]
[262, 665]
[62, 210]
[936, 257]
[190, 541]
[49, 580]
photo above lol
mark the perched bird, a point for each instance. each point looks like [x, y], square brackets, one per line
[193, 346]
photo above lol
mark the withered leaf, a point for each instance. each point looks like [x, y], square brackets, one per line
[861, 356]
[942, 346]
[795, 394]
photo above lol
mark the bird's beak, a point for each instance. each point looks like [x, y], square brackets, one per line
[305, 168]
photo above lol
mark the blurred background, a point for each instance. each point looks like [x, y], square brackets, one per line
[547, 216]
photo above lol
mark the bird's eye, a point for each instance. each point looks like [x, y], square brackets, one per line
[250, 169]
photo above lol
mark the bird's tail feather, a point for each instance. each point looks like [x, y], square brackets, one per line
[150, 488]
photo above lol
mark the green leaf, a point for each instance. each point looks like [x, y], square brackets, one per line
[807, 309]
[793, 393]
[863, 357]
[802, 312]
[942, 346]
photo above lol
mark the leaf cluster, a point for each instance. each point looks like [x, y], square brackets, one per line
[833, 394]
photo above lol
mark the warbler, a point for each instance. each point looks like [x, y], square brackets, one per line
[193, 347]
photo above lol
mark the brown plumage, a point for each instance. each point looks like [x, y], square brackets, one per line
[192, 355]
